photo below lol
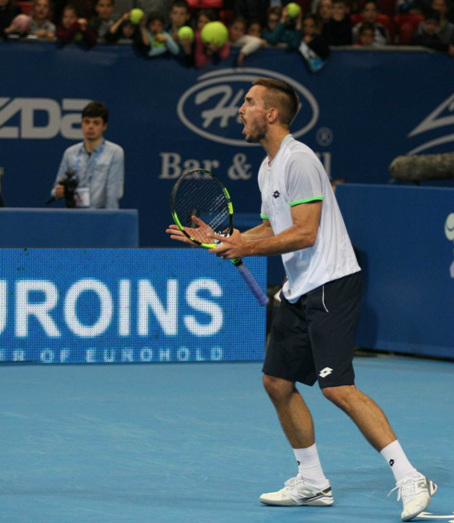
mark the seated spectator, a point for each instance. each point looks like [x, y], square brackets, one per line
[74, 29]
[8, 11]
[238, 38]
[366, 35]
[41, 25]
[124, 30]
[313, 47]
[155, 40]
[338, 31]
[103, 20]
[255, 29]
[287, 30]
[370, 13]
[272, 21]
[324, 12]
[430, 37]
[210, 53]
[180, 15]
[188, 46]
[446, 28]
[203, 17]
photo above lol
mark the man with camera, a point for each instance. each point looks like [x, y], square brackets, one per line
[91, 173]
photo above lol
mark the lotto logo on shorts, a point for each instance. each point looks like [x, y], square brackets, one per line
[325, 372]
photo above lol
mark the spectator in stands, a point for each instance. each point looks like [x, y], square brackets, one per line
[430, 37]
[103, 20]
[446, 28]
[255, 29]
[366, 35]
[97, 163]
[205, 54]
[287, 31]
[370, 12]
[125, 31]
[41, 25]
[8, 11]
[338, 31]
[84, 9]
[314, 48]
[324, 12]
[203, 17]
[254, 9]
[188, 45]
[155, 40]
[238, 38]
[180, 15]
[74, 29]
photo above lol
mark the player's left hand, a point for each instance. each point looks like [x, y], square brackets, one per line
[229, 247]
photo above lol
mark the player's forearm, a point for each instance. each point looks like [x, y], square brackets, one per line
[290, 240]
[259, 232]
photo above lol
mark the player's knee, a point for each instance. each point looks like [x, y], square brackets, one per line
[277, 388]
[338, 395]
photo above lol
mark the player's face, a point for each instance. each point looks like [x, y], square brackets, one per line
[93, 128]
[253, 114]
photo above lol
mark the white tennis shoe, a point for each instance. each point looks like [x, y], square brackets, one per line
[415, 494]
[298, 492]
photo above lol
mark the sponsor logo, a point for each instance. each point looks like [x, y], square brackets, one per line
[41, 118]
[325, 372]
[276, 194]
[210, 107]
[441, 118]
[391, 462]
[449, 233]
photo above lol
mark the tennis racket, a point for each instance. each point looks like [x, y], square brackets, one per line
[198, 193]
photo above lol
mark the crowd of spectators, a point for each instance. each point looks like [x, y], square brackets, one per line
[310, 28]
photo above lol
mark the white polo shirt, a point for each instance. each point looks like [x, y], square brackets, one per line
[295, 177]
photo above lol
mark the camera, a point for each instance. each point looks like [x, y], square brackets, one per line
[69, 187]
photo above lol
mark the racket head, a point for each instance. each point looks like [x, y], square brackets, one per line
[200, 193]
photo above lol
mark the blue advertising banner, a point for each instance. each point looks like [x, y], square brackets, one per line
[358, 113]
[127, 305]
[404, 238]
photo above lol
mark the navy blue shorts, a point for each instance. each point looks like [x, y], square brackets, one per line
[313, 339]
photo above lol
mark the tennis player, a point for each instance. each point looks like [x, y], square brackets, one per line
[312, 337]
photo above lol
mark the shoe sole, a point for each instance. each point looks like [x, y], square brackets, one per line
[432, 489]
[313, 502]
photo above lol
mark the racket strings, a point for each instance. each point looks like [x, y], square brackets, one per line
[205, 199]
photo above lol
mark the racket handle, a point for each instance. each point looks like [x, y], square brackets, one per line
[260, 296]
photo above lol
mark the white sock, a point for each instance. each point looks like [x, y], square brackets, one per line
[309, 466]
[397, 460]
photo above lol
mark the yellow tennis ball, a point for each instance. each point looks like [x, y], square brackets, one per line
[136, 16]
[293, 9]
[186, 33]
[215, 33]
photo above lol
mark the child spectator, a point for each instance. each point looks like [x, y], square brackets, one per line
[203, 17]
[180, 15]
[370, 13]
[430, 37]
[103, 20]
[313, 47]
[366, 35]
[155, 40]
[272, 21]
[41, 26]
[8, 11]
[255, 29]
[446, 28]
[338, 31]
[74, 29]
[287, 30]
[324, 12]
[205, 54]
[238, 38]
[124, 30]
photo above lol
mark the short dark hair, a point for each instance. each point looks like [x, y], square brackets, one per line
[181, 3]
[282, 95]
[111, 1]
[155, 15]
[366, 26]
[432, 14]
[376, 4]
[95, 109]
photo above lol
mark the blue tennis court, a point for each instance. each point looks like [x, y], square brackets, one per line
[198, 443]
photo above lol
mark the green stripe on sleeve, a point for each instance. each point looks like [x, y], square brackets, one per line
[264, 217]
[314, 199]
